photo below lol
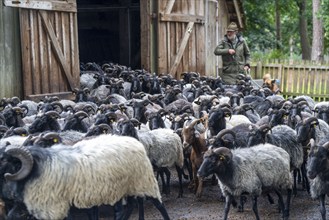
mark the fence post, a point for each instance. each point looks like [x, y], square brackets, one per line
[259, 70]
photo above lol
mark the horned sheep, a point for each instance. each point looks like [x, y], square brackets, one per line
[246, 170]
[113, 167]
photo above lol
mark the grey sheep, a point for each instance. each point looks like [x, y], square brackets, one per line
[249, 170]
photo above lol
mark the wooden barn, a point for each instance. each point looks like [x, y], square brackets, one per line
[42, 42]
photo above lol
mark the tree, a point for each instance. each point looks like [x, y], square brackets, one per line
[318, 32]
[304, 36]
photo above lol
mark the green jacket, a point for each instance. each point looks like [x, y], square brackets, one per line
[233, 64]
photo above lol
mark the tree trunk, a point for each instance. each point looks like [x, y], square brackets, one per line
[278, 24]
[304, 39]
[318, 33]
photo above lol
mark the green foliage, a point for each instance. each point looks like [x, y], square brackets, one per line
[261, 33]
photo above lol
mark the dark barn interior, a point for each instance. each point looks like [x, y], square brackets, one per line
[109, 31]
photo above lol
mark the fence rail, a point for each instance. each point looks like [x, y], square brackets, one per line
[296, 77]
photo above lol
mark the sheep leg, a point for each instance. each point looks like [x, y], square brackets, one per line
[322, 206]
[295, 182]
[161, 174]
[140, 208]
[167, 172]
[255, 206]
[270, 199]
[180, 173]
[118, 210]
[228, 201]
[187, 164]
[160, 207]
[199, 189]
[281, 203]
[93, 213]
[243, 199]
[130, 207]
[306, 183]
[287, 208]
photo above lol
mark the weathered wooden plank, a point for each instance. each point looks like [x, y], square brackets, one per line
[57, 49]
[162, 42]
[182, 18]
[68, 6]
[61, 95]
[169, 6]
[187, 34]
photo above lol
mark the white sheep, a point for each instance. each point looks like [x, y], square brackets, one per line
[93, 172]
[249, 170]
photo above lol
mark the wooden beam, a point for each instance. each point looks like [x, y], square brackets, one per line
[61, 95]
[169, 6]
[182, 18]
[69, 6]
[181, 49]
[57, 48]
[238, 13]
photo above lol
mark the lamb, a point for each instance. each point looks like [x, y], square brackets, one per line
[246, 170]
[109, 166]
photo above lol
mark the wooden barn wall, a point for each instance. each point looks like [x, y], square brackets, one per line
[170, 38]
[211, 37]
[10, 61]
[51, 57]
[223, 22]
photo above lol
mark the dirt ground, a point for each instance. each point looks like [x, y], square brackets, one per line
[210, 207]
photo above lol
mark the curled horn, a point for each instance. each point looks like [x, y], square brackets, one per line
[301, 102]
[247, 107]
[162, 112]
[311, 121]
[224, 132]
[326, 145]
[81, 114]
[53, 136]
[227, 112]
[58, 104]
[135, 122]
[265, 128]
[53, 114]
[24, 155]
[193, 123]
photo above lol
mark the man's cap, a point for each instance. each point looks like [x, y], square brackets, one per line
[232, 27]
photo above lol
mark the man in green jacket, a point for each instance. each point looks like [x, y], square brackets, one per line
[235, 54]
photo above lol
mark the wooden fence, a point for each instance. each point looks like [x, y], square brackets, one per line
[296, 77]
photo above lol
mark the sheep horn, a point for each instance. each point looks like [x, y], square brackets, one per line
[105, 128]
[193, 123]
[311, 121]
[326, 145]
[53, 136]
[227, 112]
[81, 114]
[265, 128]
[53, 114]
[300, 103]
[224, 132]
[54, 104]
[24, 155]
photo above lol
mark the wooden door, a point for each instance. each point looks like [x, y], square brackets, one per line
[49, 42]
[181, 36]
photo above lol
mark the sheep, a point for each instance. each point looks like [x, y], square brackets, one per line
[285, 137]
[163, 146]
[249, 170]
[317, 172]
[102, 170]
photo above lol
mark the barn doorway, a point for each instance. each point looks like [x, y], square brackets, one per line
[109, 31]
